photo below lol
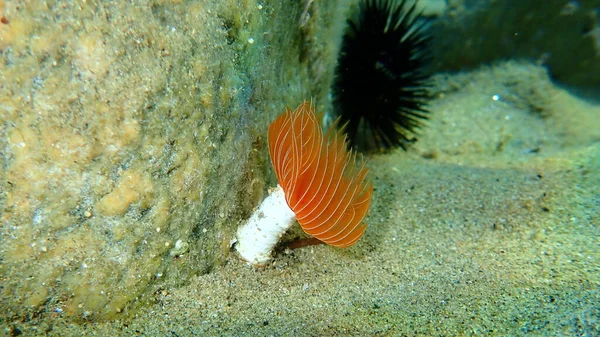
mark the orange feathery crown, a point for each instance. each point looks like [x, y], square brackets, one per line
[322, 184]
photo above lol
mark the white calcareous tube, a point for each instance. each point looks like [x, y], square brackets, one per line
[257, 238]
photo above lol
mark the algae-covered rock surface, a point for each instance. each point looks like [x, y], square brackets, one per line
[132, 137]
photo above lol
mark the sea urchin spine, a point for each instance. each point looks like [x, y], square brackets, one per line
[380, 87]
[319, 185]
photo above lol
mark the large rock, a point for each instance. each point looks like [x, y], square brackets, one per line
[562, 35]
[133, 139]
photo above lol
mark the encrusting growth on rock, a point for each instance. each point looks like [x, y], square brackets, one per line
[320, 185]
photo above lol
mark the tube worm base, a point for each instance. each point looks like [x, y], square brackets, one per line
[257, 238]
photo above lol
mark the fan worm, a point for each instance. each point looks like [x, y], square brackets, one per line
[320, 186]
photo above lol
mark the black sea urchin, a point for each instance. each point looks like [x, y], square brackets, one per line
[380, 88]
